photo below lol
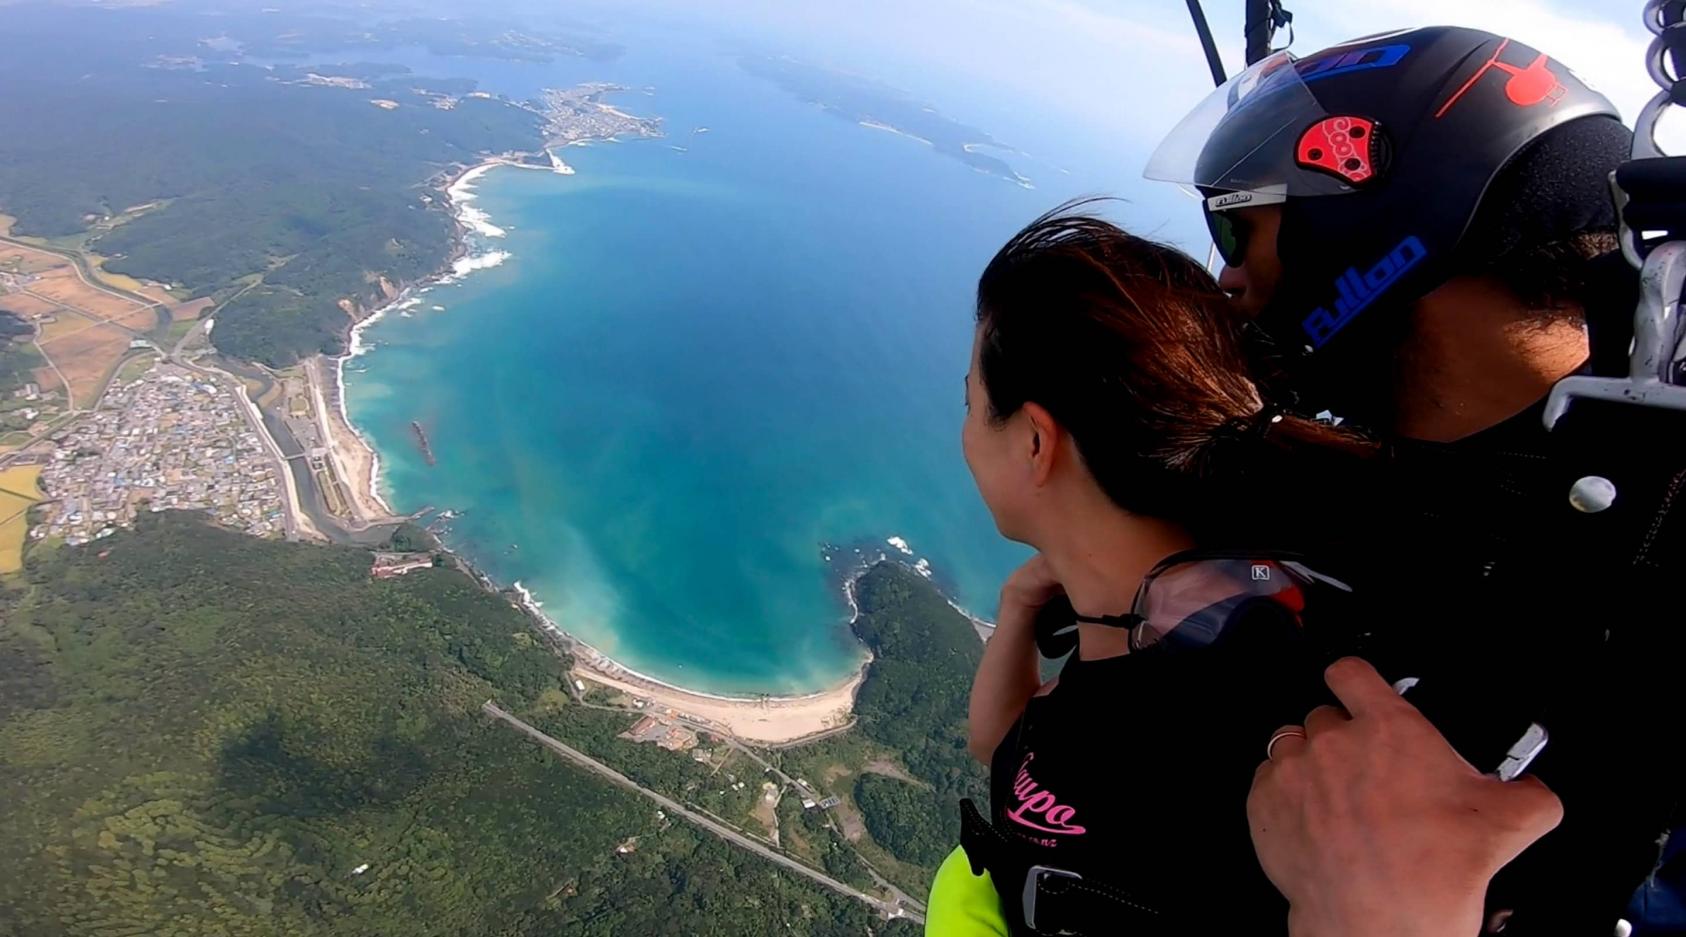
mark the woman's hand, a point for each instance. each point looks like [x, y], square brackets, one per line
[1009, 675]
[1030, 587]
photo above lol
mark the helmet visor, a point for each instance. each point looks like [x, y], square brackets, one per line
[1251, 136]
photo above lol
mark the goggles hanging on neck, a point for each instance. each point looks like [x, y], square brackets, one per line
[1190, 599]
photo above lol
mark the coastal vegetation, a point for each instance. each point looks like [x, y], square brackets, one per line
[207, 733]
[907, 757]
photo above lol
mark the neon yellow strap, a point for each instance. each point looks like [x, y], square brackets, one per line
[963, 904]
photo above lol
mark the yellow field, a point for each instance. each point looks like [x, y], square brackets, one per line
[64, 285]
[65, 322]
[21, 260]
[93, 327]
[27, 306]
[18, 490]
[85, 358]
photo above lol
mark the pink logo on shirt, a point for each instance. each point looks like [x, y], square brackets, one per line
[1037, 807]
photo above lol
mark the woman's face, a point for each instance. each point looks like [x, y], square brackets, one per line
[1000, 474]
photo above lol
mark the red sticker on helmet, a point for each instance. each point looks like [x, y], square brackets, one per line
[1344, 147]
[1528, 85]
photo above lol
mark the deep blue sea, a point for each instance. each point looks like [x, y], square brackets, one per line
[697, 366]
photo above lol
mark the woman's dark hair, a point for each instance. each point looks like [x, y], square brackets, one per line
[1131, 346]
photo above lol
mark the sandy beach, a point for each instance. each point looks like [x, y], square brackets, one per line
[774, 719]
[354, 459]
[769, 719]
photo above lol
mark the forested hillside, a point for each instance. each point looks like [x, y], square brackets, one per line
[904, 768]
[205, 733]
[244, 182]
[914, 703]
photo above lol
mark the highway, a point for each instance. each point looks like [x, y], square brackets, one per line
[903, 899]
[889, 909]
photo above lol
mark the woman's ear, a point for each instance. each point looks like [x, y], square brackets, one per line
[1044, 442]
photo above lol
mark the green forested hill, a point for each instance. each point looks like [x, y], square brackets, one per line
[248, 172]
[914, 704]
[204, 733]
[902, 771]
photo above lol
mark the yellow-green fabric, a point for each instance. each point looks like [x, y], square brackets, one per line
[963, 904]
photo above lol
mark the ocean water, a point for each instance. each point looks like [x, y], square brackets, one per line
[696, 366]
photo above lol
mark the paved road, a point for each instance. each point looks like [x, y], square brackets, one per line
[901, 898]
[197, 330]
[887, 908]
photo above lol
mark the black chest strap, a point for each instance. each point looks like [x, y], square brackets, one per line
[1044, 900]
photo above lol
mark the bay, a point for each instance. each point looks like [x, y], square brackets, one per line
[697, 366]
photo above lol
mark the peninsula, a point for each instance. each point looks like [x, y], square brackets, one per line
[877, 106]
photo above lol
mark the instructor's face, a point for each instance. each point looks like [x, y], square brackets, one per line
[1253, 282]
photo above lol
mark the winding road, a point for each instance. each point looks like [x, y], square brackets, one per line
[890, 909]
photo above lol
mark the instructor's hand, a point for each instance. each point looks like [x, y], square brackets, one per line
[1371, 824]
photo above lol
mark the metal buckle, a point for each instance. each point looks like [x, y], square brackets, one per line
[1523, 753]
[1033, 883]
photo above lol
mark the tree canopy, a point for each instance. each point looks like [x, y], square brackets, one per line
[206, 733]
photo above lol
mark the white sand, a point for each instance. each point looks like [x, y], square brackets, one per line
[355, 461]
[770, 718]
[774, 719]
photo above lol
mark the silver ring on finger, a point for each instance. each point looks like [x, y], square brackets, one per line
[1270, 746]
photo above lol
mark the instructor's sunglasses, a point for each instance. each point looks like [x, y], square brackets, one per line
[1191, 598]
[1229, 234]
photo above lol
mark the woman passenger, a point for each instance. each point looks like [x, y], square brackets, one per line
[1112, 426]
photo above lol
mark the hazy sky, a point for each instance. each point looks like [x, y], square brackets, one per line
[1127, 69]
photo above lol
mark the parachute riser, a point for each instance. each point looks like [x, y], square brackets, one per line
[1654, 363]
[1657, 358]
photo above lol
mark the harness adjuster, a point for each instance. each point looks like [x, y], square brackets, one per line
[1033, 880]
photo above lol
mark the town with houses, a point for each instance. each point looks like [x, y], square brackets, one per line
[168, 440]
[116, 420]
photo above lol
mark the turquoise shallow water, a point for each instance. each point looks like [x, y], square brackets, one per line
[694, 369]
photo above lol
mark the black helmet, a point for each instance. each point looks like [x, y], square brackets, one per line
[1379, 150]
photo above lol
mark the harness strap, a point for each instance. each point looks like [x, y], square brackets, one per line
[1045, 900]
